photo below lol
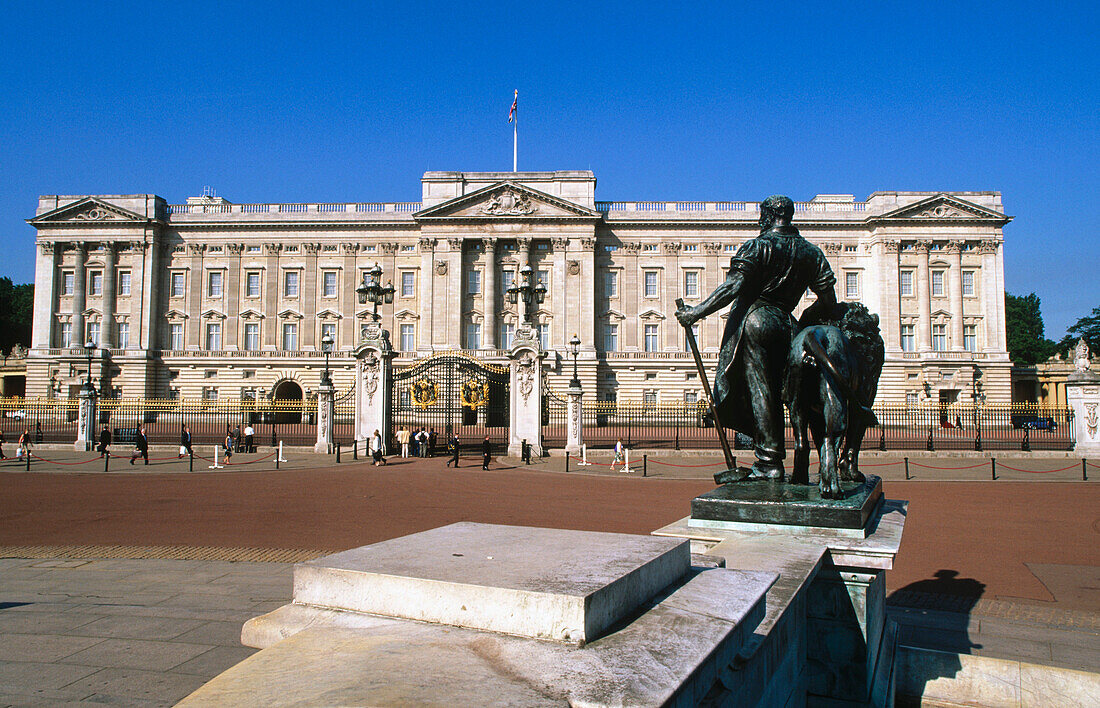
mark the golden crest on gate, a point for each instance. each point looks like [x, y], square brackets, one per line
[475, 394]
[425, 392]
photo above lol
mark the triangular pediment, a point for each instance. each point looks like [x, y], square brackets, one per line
[944, 207]
[289, 314]
[88, 210]
[507, 200]
[251, 314]
[651, 314]
[329, 314]
[213, 315]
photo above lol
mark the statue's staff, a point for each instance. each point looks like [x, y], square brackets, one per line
[730, 463]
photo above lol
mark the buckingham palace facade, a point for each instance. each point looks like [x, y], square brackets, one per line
[223, 300]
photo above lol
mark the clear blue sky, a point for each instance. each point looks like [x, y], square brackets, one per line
[719, 101]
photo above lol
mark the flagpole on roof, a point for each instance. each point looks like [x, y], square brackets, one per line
[513, 118]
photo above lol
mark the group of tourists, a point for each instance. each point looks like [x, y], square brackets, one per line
[422, 443]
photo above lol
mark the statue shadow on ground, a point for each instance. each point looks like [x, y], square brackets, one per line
[933, 613]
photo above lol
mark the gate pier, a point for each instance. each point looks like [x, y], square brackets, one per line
[373, 374]
[526, 393]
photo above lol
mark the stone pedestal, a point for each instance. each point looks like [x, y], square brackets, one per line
[574, 440]
[85, 421]
[373, 383]
[525, 405]
[326, 413]
[1083, 397]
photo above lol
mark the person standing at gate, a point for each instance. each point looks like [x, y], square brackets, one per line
[486, 452]
[185, 441]
[433, 440]
[249, 435]
[452, 448]
[403, 441]
[104, 441]
[141, 446]
[421, 443]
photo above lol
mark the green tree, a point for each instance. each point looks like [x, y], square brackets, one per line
[16, 309]
[1024, 327]
[1087, 328]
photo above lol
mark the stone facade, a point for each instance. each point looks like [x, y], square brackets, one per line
[229, 300]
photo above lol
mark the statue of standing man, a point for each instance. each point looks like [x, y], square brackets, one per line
[767, 278]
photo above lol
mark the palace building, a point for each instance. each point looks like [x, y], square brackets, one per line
[222, 300]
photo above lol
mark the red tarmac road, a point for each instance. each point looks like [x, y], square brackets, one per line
[985, 531]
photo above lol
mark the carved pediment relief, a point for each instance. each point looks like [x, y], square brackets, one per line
[213, 315]
[289, 314]
[506, 200]
[329, 314]
[251, 315]
[943, 207]
[90, 210]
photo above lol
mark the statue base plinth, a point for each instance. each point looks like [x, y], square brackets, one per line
[784, 504]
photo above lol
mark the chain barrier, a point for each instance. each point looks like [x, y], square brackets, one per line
[948, 469]
[1014, 469]
[57, 462]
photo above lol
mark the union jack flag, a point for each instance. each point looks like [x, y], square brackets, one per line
[515, 105]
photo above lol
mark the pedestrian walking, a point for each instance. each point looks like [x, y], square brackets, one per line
[185, 441]
[403, 440]
[486, 452]
[376, 448]
[141, 446]
[452, 449]
[104, 441]
[24, 444]
[249, 438]
[620, 457]
[2, 456]
[228, 444]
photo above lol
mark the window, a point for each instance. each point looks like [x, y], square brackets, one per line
[507, 280]
[649, 398]
[851, 285]
[209, 393]
[691, 283]
[650, 279]
[177, 284]
[610, 248]
[970, 338]
[611, 338]
[214, 283]
[691, 248]
[210, 373]
[649, 247]
[290, 336]
[93, 333]
[252, 284]
[908, 338]
[328, 283]
[175, 336]
[543, 276]
[611, 283]
[939, 337]
[507, 335]
[67, 280]
[251, 336]
[695, 333]
[124, 282]
[408, 338]
[473, 282]
[968, 283]
[473, 335]
[729, 247]
[328, 329]
[937, 283]
[905, 283]
[407, 248]
[912, 398]
[123, 335]
[408, 283]
[651, 337]
[97, 283]
[329, 248]
[216, 249]
[290, 283]
[291, 249]
[253, 249]
[544, 335]
[66, 334]
[213, 336]
[691, 396]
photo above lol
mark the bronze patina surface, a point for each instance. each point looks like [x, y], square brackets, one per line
[764, 501]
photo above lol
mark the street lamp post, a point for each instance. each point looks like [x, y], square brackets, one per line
[574, 347]
[372, 290]
[89, 350]
[326, 346]
[531, 293]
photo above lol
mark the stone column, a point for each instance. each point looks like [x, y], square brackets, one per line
[193, 338]
[326, 414]
[272, 276]
[587, 301]
[233, 290]
[428, 335]
[632, 296]
[924, 310]
[669, 330]
[1083, 397]
[955, 292]
[150, 291]
[310, 293]
[456, 294]
[525, 386]
[890, 316]
[110, 293]
[489, 296]
[85, 426]
[574, 440]
[80, 294]
[45, 294]
[560, 324]
[373, 383]
[349, 330]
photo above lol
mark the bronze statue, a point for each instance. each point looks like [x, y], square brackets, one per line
[768, 276]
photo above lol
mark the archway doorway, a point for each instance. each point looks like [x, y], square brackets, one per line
[288, 403]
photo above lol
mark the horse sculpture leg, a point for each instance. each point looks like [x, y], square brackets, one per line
[836, 418]
[800, 474]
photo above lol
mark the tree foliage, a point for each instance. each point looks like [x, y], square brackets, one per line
[1087, 328]
[1024, 327]
[16, 309]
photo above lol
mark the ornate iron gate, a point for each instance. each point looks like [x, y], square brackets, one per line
[452, 393]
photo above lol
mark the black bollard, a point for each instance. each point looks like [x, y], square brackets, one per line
[645, 464]
[993, 467]
[567, 462]
[27, 455]
[337, 453]
[882, 438]
[106, 460]
[190, 460]
[1084, 472]
[906, 468]
[355, 449]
